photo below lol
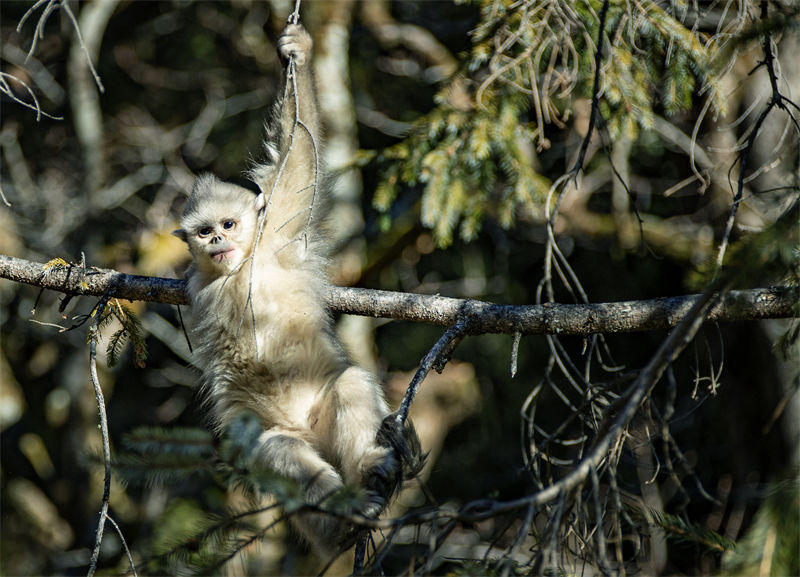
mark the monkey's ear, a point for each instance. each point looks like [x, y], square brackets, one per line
[261, 201]
[180, 233]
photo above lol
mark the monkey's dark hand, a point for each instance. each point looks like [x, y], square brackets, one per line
[295, 43]
[404, 461]
[403, 440]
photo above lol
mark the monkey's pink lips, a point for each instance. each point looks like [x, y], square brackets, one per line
[222, 255]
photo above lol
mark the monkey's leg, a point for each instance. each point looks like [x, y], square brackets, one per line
[360, 411]
[286, 454]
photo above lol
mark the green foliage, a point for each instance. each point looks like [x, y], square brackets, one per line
[469, 567]
[473, 567]
[159, 455]
[547, 54]
[770, 545]
[680, 530]
[170, 455]
[346, 500]
[470, 156]
[240, 440]
[469, 165]
[190, 537]
[178, 525]
[177, 441]
[771, 252]
[130, 331]
[188, 540]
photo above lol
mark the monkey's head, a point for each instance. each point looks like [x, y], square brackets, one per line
[219, 224]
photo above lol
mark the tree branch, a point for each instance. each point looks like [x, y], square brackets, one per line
[94, 331]
[72, 280]
[551, 318]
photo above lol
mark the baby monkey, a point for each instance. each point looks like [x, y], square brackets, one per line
[264, 336]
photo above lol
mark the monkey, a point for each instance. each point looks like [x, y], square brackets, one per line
[264, 336]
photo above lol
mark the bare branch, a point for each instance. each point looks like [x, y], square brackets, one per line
[95, 282]
[615, 426]
[777, 100]
[598, 59]
[669, 350]
[5, 88]
[436, 358]
[550, 318]
[94, 330]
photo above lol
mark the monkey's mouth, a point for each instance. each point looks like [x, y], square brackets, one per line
[222, 255]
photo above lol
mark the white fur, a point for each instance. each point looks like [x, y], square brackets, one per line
[263, 335]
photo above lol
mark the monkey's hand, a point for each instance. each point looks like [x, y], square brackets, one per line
[403, 440]
[404, 460]
[295, 43]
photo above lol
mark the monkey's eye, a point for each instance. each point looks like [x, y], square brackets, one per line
[229, 224]
[205, 231]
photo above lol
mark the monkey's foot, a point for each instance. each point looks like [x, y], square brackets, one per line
[381, 482]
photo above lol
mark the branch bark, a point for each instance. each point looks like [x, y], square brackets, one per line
[562, 319]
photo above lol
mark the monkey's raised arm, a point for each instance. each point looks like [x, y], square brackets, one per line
[288, 182]
[295, 46]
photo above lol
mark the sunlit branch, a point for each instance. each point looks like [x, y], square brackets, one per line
[550, 318]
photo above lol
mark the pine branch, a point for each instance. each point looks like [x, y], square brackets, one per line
[562, 319]
[679, 529]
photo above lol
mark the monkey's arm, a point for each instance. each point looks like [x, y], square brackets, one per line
[295, 47]
[289, 179]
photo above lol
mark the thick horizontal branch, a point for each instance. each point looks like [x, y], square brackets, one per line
[564, 319]
[73, 280]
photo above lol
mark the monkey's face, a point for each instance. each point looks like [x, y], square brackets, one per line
[219, 225]
[226, 242]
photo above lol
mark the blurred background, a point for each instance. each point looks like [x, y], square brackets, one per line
[441, 172]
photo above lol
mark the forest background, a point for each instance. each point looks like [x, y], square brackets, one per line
[507, 152]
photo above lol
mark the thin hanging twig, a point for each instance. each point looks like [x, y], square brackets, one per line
[94, 330]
